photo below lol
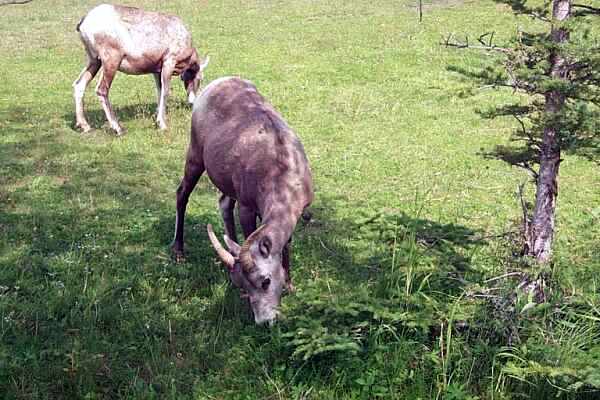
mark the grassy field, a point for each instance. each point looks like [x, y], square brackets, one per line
[410, 220]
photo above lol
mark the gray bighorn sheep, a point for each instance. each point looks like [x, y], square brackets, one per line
[255, 159]
[127, 39]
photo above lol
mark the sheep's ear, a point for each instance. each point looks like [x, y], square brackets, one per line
[233, 247]
[264, 246]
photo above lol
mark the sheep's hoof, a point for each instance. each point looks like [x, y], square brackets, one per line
[179, 258]
[120, 131]
[85, 128]
[289, 288]
[177, 254]
[306, 215]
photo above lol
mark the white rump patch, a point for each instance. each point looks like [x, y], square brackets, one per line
[201, 99]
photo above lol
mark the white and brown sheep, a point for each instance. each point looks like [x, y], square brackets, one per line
[134, 41]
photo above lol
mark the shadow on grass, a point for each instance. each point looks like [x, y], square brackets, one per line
[91, 301]
[96, 117]
[363, 247]
[147, 111]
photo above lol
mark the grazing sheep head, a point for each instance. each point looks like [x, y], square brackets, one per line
[193, 76]
[256, 270]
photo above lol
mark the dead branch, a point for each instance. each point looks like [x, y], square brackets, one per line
[530, 137]
[493, 236]
[527, 167]
[490, 42]
[507, 275]
[488, 45]
[327, 248]
[517, 84]
[449, 42]
[7, 2]
[525, 214]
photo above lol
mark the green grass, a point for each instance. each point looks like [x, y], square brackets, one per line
[409, 218]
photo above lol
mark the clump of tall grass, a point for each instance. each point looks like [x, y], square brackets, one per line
[448, 337]
[396, 331]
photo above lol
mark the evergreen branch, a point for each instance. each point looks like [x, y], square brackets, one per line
[517, 84]
[509, 84]
[583, 78]
[537, 15]
[526, 133]
[587, 10]
[594, 99]
[520, 7]
[577, 66]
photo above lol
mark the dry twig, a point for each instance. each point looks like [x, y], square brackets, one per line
[7, 2]
[489, 46]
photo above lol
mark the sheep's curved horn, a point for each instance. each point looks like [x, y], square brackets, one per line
[223, 254]
[205, 63]
[245, 254]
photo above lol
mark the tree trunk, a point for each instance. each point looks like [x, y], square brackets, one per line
[541, 230]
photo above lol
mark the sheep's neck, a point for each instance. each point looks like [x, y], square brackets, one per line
[280, 222]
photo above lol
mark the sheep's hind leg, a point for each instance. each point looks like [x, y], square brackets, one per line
[247, 220]
[108, 73]
[87, 74]
[165, 86]
[158, 87]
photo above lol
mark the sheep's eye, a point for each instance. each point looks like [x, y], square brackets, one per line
[266, 283]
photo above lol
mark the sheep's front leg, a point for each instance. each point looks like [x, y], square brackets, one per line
[193, 171]
[165, 86]
[109, 70]
[227, 205]
[247, 220]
